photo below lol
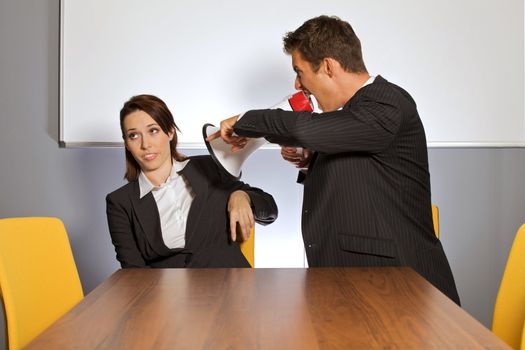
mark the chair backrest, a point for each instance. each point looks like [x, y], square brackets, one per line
[435, 219]
[38, 277]
[248, 248]
[509, 309]
[523, 337]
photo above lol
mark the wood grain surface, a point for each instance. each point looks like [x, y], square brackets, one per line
[315, 308]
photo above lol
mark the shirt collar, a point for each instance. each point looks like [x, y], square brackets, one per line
[146, 186]
[369, 81]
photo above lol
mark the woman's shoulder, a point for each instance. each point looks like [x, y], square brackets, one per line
[207, 168]
[201, 159]
[204, 162]
[123, 191]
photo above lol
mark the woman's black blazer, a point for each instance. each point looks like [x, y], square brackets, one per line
[135, 229]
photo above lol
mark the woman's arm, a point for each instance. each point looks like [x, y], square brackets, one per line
[263, 205]
[241, 214]
[122, 235]
[247, 204]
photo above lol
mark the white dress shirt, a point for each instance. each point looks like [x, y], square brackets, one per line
[173, 198]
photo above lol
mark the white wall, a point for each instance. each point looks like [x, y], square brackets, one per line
[480, 192]
[461, 60]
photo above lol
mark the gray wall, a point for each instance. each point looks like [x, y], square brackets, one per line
[479, 191]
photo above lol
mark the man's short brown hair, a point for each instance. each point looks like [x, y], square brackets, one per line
[326, 36]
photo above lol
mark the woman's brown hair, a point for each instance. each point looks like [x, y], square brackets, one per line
[158, 111]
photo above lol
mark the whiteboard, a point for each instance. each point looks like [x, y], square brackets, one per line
[462, 61]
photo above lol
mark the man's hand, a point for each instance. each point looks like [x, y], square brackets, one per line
[228, 136]
[241, 214]
[300, 157]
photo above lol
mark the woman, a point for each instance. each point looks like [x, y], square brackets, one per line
[177, 211]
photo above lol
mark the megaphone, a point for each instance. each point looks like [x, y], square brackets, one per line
[231, 162]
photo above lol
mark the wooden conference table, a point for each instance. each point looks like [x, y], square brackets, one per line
[316, 308]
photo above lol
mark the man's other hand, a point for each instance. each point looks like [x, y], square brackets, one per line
[300, 157]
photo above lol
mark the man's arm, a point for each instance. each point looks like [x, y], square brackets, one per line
[368, 126]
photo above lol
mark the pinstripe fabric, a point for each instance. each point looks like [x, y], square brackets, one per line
[367, 191]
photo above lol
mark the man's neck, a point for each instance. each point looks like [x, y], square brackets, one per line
[350, 84]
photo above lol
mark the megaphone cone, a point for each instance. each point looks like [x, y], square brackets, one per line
[221, 152]
[231, 162]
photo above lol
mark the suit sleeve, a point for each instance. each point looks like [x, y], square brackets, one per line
[263, 205]
[122, 237]
[368, 124]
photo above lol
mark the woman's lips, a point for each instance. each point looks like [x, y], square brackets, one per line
[150, 156]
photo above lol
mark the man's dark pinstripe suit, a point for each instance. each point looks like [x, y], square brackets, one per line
[367, 191]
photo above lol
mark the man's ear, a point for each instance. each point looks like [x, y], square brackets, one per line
[330, 66]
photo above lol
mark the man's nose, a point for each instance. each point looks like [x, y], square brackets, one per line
[298, 85]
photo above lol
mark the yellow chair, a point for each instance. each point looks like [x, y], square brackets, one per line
[509, 309]
[248, 248]
[435, 219]
[523, 337]
[38, 277]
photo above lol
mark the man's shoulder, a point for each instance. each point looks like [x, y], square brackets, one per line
[380, 84]
[382, 88]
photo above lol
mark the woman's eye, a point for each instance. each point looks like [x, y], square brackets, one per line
[154, 130]
[133, 136]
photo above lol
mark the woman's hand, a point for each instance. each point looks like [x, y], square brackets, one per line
[300, 157]
[241, 214]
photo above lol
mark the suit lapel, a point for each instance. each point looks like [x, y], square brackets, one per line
[199, 184]
[147, 213]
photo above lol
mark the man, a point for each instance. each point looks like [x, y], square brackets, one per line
[367, 187]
